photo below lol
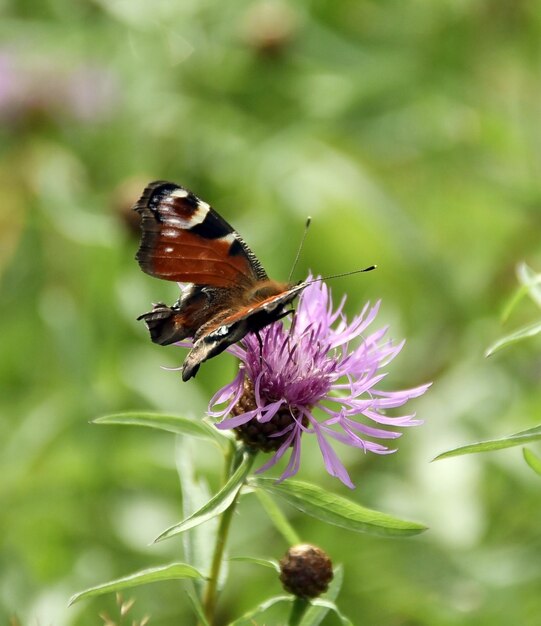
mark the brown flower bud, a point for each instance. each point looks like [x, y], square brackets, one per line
[306, 571]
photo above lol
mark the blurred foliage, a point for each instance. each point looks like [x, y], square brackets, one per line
[410, 131]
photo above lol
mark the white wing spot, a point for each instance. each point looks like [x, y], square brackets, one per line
[230, 238]
[179, 193]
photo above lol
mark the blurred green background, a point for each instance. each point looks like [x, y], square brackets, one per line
[411, 132]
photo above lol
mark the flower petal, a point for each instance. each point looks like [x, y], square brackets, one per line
[332, 463]
[295, 458]
[278, 454]
[238, 420]
[231, 392]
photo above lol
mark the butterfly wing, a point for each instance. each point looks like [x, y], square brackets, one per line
[185, 240]
[217, 336]
[197, 308]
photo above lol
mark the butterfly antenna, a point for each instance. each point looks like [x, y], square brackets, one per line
[365, 269]
[297, 256]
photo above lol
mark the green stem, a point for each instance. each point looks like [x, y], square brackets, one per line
[211, 590]
[297, 611]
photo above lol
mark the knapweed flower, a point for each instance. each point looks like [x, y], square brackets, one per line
[319, 376]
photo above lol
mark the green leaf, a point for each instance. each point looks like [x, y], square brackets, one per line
[216, 505]
[199, 542]
[256, 561]
[198, 608]
[524, 436]
[319, 602]
[164, 421]
[533, 460]
[248, 618]
[333, 509]
[151, 575]
[518, 335]
[276, 516]
[316, 613]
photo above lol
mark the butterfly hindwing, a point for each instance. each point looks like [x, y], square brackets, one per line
[223, 333]
[169, 324]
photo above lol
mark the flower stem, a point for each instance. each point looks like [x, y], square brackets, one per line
[211, 590]
[297, 611]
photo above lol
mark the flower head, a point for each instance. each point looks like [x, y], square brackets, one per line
[319, 363]
[306, 571]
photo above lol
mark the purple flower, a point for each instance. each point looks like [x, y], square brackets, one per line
[319, 363]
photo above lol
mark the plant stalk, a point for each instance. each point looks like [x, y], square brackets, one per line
[297, 611]
[210, 594]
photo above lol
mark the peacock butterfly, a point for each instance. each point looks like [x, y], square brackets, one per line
[185, 240]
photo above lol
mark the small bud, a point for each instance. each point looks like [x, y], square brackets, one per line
[306, 571]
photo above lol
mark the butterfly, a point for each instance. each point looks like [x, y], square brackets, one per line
[185, 240]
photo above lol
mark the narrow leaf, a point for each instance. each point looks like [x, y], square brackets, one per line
[197, 608]
[248, 618]
[533, 460]
[216, 505]
[319, 602]
[151, 575]
[198, 543]
[333, 509]
[164, 421]
[276, 516]
[518, 439]
[518, 335]
[256, 561]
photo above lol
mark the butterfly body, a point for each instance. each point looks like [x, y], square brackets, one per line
[230, 294]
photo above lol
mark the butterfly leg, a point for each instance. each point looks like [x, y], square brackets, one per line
[293, 318]
[260, 342]
[286, 313]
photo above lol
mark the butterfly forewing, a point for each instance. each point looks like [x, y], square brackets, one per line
[185, 240]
